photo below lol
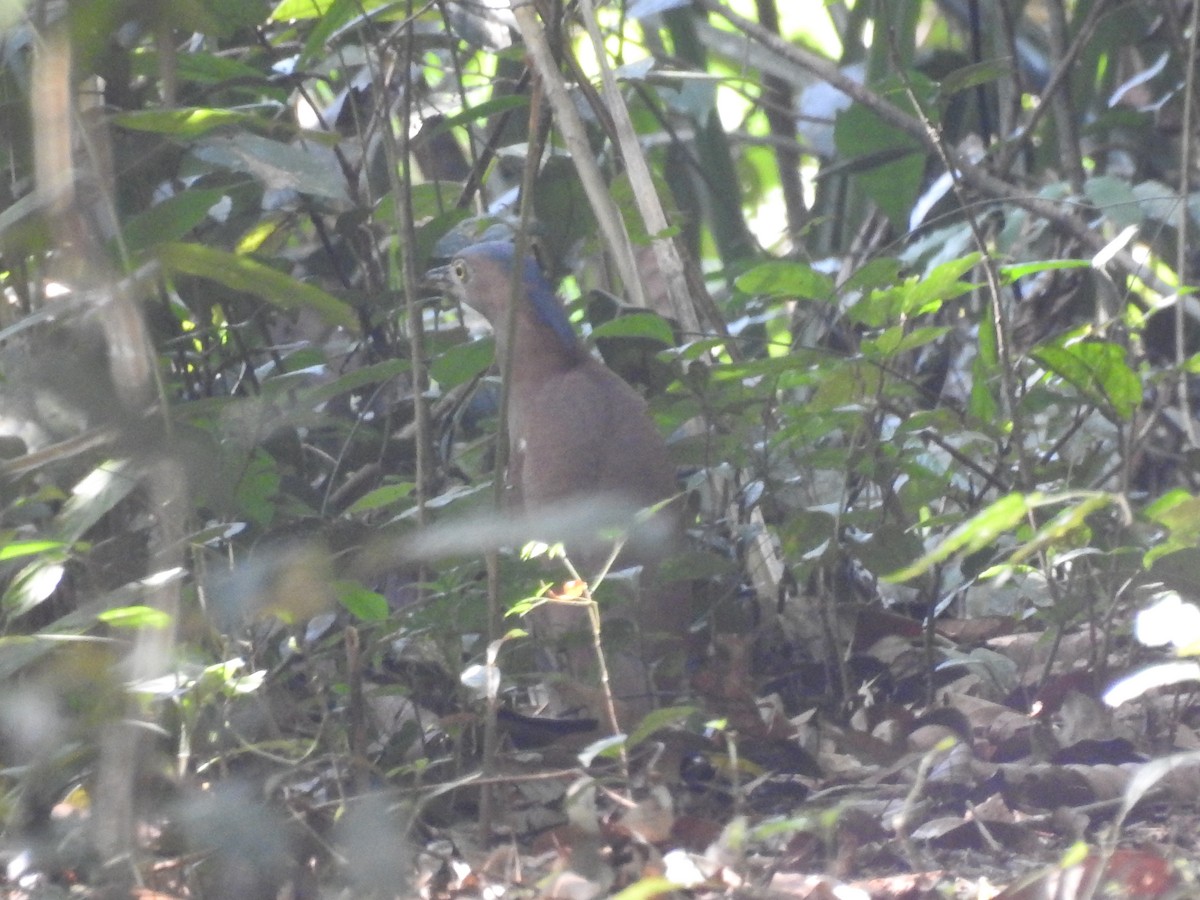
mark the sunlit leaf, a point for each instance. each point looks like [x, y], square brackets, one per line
[786, 279]
[365, 605]
[184, 123]
[980, 531]
[136, 617]
[32, 586]
[17, 549]
[1097, 369]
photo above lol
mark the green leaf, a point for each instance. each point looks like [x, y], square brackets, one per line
[1179, 513]
[186, 123]
[787, 279]
[1115, 198]
[982, 403]
[387, 495]
[136, 617]
[974, 75]
[364, 605]
[659, 719]
[201, 68]
[289, 10]
[880, 272]
[976, 533]
[1059, 528]
[637, 325]
[17, 549]
[942, 284]
[1004, 515]
[1097, 369]
[32, 585]
[170, 220]
[93, 497]
[1011, 273]
[241, 273]
[258, 488]
[899, 339]
[462, 362]
[277, 165]
[890, 547]
[887, 163]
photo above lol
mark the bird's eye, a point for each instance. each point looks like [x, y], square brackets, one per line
[460, 269]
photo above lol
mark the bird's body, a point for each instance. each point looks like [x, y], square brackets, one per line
[576, 429]
[583, 430]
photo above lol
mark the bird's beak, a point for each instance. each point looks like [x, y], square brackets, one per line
[437, 280]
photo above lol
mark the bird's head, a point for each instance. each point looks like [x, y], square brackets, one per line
[481, 277]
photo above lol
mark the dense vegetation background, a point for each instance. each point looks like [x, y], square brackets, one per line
[908, 283]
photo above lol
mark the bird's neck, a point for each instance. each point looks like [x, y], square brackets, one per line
[537, 352]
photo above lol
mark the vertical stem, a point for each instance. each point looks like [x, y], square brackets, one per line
[570, 126]
[400, 164]
[537, 137]
[1182, 243]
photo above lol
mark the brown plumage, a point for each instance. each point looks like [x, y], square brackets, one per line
[576, 430]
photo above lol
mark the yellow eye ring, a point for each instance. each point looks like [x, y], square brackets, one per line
[460, 269]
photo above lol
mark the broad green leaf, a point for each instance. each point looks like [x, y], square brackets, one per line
[1157, 201]
[462, 362]
[184, 123]
[289, 10]
[887, 549]
[433, 198]
[787, 279]
[170, 220]
[306, 169]
[201, 68]
[883, 271]
[1114, 197]
[940, 285]
[364, 605]
[1097, 369]
[657, 720]
[1179, 513]
[885, 161]
[981, 402]
[899, 339]
[258, 488]
[637, 325]
[241, 273]
[974, 75]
